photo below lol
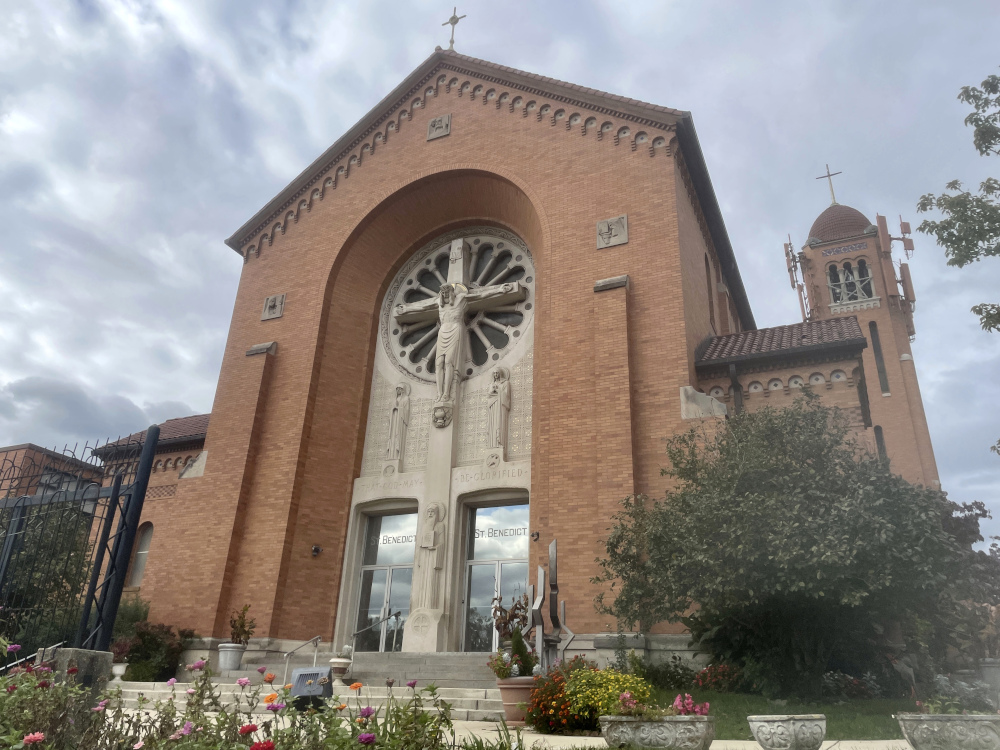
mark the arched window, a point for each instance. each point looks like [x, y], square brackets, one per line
[142, 541]
[850, 287]
[836, 293]
[864, 279]
[711, 295]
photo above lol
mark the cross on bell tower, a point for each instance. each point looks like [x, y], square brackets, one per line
[829, 177]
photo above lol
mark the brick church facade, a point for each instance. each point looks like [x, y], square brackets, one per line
[463, 332]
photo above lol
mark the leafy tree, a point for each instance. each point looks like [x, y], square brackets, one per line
[970, 230]
[786, 548]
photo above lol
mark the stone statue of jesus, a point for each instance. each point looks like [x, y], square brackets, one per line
[452, 304]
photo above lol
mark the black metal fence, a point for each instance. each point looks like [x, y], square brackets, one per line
[67, 527]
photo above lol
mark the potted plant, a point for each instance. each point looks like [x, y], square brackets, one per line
[788, 732]
[961, 721]
[340, 665]
[241, 630]
[119, 657]
[684, 725]
[513, 672]
[508, 619]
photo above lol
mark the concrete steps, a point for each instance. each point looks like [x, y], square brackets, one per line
[446, 670]
[468, 704]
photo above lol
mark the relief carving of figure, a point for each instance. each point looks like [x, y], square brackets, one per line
[498, 409]
[430, 556]
[399, 420]
[452, 303]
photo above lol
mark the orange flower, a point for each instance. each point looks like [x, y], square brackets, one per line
[271, 698]
[288, 686]
[356, 686]
[269, 678]
[342, 706]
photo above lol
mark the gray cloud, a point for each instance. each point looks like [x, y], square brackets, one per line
[135, 136]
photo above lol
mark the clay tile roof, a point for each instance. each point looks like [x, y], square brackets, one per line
[173, 431]
[839, 222]
[782, 341]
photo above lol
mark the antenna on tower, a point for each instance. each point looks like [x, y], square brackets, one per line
[904, 229]
[792, 262]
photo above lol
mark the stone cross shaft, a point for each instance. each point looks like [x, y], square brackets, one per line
[457, 297]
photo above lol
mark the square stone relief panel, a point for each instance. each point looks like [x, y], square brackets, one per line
[274, 307]
[439, 127]
[611, 232]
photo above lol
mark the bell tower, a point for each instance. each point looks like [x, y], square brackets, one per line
[847, 269]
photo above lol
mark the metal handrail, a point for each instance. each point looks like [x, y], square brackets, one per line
[315, 640]
[31, 656]
[354, 638]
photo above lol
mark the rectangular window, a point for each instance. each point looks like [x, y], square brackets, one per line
[883, 377]
[880, 443]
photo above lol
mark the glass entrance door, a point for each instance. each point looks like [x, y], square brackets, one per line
[386, 575]
[497, 566]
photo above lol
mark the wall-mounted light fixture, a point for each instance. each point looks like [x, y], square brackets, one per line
[316, 549]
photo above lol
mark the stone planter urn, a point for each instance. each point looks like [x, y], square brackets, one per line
[673, 732]
[118, 670]
[339, 667]
[799, 732]
[513, 692]
[991, 673]
[230, 656]
[951, 732]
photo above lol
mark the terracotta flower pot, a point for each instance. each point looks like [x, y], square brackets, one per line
[950, 731]
[670, 732]
[798, 732]
[515, 691]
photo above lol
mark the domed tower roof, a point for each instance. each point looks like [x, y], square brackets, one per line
[836, 223]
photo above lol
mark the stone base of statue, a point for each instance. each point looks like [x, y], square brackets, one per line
[425, 631]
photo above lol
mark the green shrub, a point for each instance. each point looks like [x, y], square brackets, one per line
[670, 675]
[596, 692]
[131, 611]
[156, 652]
[519, 649]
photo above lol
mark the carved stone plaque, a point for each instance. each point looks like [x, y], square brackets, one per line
[274, 307]
[611, 232]
[438, 127]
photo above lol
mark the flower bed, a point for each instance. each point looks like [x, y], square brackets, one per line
[41, 711]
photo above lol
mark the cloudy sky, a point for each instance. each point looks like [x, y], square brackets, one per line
[136, 135]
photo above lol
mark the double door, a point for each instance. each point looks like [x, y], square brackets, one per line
[487, 581]
[384, 591]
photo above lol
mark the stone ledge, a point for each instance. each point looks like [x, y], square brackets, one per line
[615, 282]
[271, 347]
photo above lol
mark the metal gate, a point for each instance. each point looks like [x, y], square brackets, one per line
[67, 528]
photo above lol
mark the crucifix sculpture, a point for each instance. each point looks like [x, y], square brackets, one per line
[457, 297]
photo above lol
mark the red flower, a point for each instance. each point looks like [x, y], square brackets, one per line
[248, 729]
[11, 688]
[43, 684]
[72, 670]
[265, 745]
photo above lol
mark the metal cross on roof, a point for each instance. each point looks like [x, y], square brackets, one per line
[453, 22]
[829, 177]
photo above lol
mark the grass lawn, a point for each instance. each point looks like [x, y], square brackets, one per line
[849, 720]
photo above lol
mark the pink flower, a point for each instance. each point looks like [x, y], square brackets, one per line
[138, 745]
[275, 707]
[31, 739]
[172, 681]
[366, 739]
[198, 665]
[188, 726]
[190, 691]
[13, 649]
[243, 682]
[366, 712]
[411, 684]
[262, 669]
